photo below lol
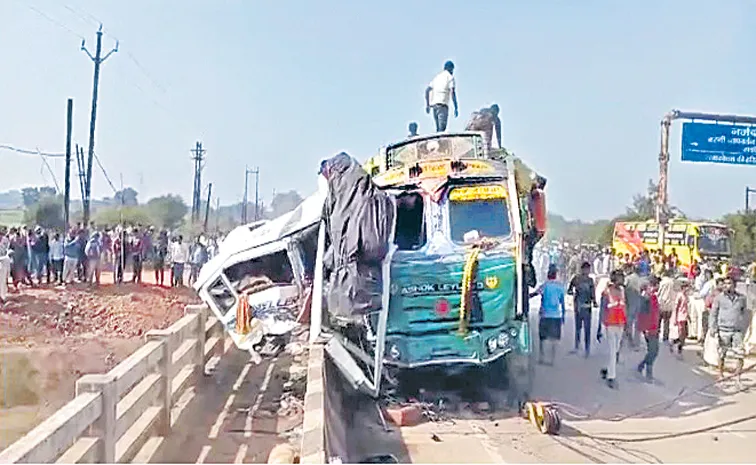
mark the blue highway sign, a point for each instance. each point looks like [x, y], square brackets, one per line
[719, 143]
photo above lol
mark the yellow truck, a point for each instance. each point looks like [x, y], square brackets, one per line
[689, 240]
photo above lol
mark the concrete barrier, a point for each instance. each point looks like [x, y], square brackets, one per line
[124, 415]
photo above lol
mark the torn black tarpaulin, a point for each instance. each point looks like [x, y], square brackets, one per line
[359, 218]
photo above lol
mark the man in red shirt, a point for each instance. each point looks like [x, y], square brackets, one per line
[648, 324]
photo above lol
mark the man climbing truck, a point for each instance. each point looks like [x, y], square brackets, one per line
[429, 261]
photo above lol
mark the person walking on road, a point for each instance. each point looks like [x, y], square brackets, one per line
[437, 95]
[727, 322]
[667, 299]
[648, 325]
[613, 317]
[487, 121]
[583, 289]
[634, 285]
[551, 315]
[680, 318]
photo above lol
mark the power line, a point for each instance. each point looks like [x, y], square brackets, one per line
[105, 173]
[32, 152]
[55, 22]
[86, 17]
[144, 71]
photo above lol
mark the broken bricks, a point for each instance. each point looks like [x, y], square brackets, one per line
[406, 415]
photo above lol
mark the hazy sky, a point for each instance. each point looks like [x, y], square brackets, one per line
[582, 86]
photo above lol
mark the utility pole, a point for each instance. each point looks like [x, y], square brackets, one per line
[256, 172]
[748, 192]
[82, 175]
[197, 193]
[207, 207]
[67, 186]
[98, 59]
[217, 214]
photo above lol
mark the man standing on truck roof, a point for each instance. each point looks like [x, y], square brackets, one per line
[486, 120]
[437, 96]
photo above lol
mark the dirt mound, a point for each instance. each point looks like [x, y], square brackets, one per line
[42, 315]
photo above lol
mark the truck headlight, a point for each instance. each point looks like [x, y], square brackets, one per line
[491, 343]
[513, 332]
[503, 340]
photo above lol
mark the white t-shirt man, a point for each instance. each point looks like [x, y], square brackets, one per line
[441, 88]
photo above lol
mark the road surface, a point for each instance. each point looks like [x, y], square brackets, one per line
[504, 437]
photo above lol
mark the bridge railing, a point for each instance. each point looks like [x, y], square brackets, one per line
[125, 414]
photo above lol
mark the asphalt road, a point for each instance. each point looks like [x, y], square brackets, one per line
[574, 380]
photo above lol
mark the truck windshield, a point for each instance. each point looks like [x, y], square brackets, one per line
[713, 240]
[490, 217]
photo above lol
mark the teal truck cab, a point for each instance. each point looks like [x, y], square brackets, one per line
[454, 278]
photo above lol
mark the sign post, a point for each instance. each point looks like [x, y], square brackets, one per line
[704, 140]
[748, 192]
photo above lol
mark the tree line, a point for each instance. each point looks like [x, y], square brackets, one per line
[43, 206]
[643, 207]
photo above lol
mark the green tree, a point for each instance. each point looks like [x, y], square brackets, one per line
[47, 212]
[128, 196]
[167, 211]
[284, 203]
[127, 215]
[744, 235]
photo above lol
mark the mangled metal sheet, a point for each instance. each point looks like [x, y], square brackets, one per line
[258, 282]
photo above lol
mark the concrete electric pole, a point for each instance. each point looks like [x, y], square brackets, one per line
[98, 59]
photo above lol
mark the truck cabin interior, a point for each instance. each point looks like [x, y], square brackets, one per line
[252, 276]
[410, 221]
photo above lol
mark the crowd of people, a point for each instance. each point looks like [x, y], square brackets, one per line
[37, 256]
[648, 299]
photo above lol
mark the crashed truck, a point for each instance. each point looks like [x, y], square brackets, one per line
[420, 258]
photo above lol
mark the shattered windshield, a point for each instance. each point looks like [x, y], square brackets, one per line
[459, 146]
[481, 208]
[713, 240]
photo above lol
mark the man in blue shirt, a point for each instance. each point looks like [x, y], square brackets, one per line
[551, 315]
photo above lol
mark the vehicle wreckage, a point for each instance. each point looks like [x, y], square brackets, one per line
[421, 257]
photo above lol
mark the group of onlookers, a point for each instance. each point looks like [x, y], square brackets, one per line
[31, 256]
[648, 297]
